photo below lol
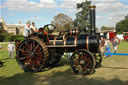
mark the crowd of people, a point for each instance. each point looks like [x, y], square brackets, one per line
[107, 48]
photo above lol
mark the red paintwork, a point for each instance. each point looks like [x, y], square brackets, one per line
[125, 37]
[112, 35]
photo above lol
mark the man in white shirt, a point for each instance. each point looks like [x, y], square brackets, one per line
[33, 28]
[26, 30]
[11, 48]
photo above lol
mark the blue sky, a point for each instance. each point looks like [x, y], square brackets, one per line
[109, 12]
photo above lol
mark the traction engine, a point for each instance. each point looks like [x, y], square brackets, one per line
[43, 49]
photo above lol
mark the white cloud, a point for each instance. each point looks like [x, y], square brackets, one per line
[112, 10]
[99, 17]
[70, 3]
[118, 14]
[70, 11]
[36, 19]
[47, 4]
[110, 7]
[25, 5]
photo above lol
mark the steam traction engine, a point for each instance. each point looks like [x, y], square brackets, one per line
[44, 49]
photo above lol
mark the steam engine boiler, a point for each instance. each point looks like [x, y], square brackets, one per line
[43, 49]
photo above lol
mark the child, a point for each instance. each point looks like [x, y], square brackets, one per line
[108, 48]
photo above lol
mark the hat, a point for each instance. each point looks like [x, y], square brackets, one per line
[28, 22]
[33, 23]
[10, 41]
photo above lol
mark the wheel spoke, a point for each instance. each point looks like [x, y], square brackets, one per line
[31, 47]
[23, 58]
[40, 56]
[25, 54]
[36, 48]
[30, 63]
[39, 53]
[27, 49]
[39, 59]
[37, 62]
[27, 60]
[23, 50]
[33, 63]
[26, 45]
[76, 62]
[33, 44]
[85, 67]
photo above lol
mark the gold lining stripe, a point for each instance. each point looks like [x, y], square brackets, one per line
[75, 41]
[87, 43]
[61, 46]
[65, 41]
[54, 42]
[71, 32]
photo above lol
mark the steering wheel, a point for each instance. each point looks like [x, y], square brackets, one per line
[49, 28]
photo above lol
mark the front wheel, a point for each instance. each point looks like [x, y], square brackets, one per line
[82, 62]
[98, 59]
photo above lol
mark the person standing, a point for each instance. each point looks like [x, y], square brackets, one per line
[26, 30]
[108, 48]
[114, 44]
[33, 28]
[106, 43]
[11, 48]
[102, 45]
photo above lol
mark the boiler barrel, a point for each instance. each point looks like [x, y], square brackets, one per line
[88, 42]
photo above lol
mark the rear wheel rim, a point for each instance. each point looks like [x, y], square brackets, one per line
[98, 58]
[31, 55]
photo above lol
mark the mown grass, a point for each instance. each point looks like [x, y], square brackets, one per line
[114, 71]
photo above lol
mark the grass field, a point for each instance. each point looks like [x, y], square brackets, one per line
[114, 71]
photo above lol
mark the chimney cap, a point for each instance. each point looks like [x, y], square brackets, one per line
[92, 7]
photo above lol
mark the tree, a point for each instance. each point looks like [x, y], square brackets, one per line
[97, 29]
[82, 17]
[126, 16]
[107, 28]
[122, 26]
[62, 22]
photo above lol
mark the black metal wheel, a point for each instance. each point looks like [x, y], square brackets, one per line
[32, 55]
[98, 59]
[54, 57]
[82, 62]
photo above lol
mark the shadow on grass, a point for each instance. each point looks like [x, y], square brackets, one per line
[66, 77]
[57, 78]
[114, 67]
[5, 58]
[62, 62]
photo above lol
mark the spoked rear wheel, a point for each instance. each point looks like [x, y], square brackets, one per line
[82, 62]
[32, 55]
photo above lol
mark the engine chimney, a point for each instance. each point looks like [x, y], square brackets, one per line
[92, 19]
